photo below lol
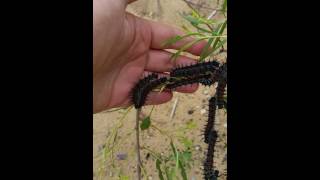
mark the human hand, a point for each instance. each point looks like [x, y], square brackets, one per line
[124, 48]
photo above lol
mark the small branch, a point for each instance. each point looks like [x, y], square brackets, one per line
[112, 110]
[174, 108]
[214, 12]
[139, 165]
[189, 3]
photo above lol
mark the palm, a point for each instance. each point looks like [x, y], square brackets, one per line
[128, 76]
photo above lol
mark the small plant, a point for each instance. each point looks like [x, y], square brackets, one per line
[177, 162]
[206, 29]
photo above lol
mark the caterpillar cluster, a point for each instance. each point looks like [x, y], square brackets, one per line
[210, 134]
[207, 73]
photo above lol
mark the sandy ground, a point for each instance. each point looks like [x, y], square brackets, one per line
[112, 130]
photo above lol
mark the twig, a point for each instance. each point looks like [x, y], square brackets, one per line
[174, 108]
[112, 110]
[189, 3]
[214, 12]
[139, 165]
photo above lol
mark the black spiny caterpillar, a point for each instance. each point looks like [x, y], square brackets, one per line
[209, 172]
[199, 68]
[197, 78]
[211, 119]
[142, 89]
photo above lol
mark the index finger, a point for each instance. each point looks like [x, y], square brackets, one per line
[161, 33]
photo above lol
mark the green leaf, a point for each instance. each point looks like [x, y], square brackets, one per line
[224, 6]
[176, 155]
[146, 122]
[220, 31]
[221, 43]
[192, 19]
[172, 174]
[124, 177]
[158, 164]
[205, 51]
[173, 149]
[168, 174]
[183, 171]
[175, 39]
[195, 13]
[195, 22]
[185, 47]
[171, 157]
[200, 29]
[187, 142]
[191, 125]
[171, 41]
[186, 155]
[185, 28]
[196, 19]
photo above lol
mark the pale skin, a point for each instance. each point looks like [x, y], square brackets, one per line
[125, 47]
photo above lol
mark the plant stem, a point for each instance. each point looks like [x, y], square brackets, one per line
[138, 144]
